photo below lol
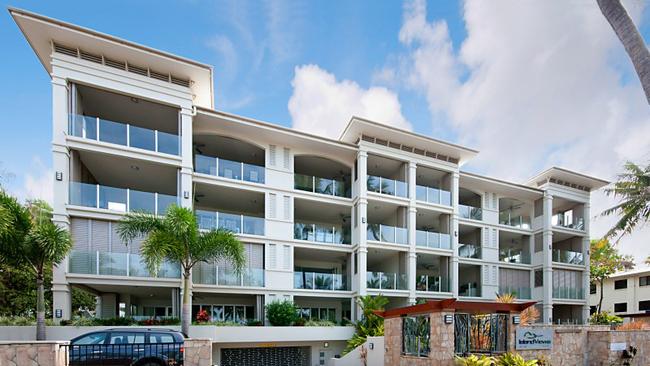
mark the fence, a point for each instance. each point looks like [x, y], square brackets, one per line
[123, 354]
[480, 333]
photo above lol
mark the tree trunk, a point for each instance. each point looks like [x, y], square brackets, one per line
[40, 307]
[634, 45]
[186, 313]
[600, 301]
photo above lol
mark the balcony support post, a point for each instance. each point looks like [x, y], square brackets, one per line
[454, 235]
[547, 248]
[128, 135]
[185, 185]
[155, 140]
[586, 245]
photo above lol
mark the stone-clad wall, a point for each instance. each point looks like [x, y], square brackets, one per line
[569, 346]
[45, 353]
[442, 343]
[600, 353]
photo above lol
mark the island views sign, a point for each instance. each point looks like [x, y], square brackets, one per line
[534, 338]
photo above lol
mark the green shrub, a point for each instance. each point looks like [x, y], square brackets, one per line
[605, 318]
[320, 323]
[473, 360]
[254, 323]
[513, 359]
[281, 313]
[299, 322]
[17, 320]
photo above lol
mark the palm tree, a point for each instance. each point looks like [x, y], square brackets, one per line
[176, 238]
[634, 45]
[30, 240]
[633, 188]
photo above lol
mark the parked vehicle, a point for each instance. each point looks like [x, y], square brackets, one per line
[127, 347]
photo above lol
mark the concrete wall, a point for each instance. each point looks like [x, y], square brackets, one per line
[32, 354]
[374, 356]
[600, 346]
[198, 352]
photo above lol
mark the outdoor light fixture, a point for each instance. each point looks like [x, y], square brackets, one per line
[371, 346]
[59, 176]
[456, 233]
[448, 319]
[326, 344]
[516, 319]
[186, 194]
[363, 220]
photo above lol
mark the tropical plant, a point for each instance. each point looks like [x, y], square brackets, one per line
[281, 313]
[631, 39]
[633, 190]
[176, 238]
[527, 317]
[604, 318]
[604, 262]
[202, 316]
[473, 360]
[371, 324]
[320, 323]
[513, 359]
[31, 241]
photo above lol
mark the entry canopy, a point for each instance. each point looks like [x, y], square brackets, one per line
[436, 306]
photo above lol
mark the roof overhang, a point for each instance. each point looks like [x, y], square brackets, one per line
[567, 178]
[360, 126]
[40, 31]
[501, 187]
[436, 306]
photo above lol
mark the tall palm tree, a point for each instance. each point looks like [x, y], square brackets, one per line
[631, 39]
[176, 238]
[30, 240]
[633, 188]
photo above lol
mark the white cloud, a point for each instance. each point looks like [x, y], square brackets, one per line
[534, 84]
[37, 182]
[322, 105]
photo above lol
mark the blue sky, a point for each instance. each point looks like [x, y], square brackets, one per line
[530, 84]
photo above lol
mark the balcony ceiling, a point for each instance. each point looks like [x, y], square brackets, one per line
[480, 183]
[320, 212]
[216, 198]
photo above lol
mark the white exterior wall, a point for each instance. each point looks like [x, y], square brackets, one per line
[632, 295]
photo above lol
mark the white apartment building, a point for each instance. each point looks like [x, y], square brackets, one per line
[626, 294]
[377, 211]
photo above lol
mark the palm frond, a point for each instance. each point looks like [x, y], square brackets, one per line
[136, 224]
[47, 244]
[15, 224]
[219, 244]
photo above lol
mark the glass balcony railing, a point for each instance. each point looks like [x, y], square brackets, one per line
[326, 186]
[431, 283]
[514, 256]
[518, 221]
[470, 212]
[577, 223]
[228, 169]
[386, 281]
[433, 195]
[469, 290]
[387, 234]
[94, 128]
[387, 186]
[116, 264]
[321, 233]
[430, 239]
[119, 199]
[238, 224]
[568, 293]
[212, 274]
[469, 251]
[568, 256]
[319, 281]
[518, 292]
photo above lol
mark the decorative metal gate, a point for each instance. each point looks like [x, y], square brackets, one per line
[480, 333]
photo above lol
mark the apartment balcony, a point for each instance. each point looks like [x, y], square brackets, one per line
[429, 239]
[119, 199]
[212, 274]
[519, 292]
[469, 289]
[116, 264]
[229, 169]
[321, 233]
[568, 257]
[565, 221]
[469, 251]
[387, 234]
[568, 293]
[386, 281]
[518, 256]
[428, 283]
[236, 223]
[433, 195]
[516, 221]
[469, 280]
[319, 281]
[330, 187]
[391, 187]
[470, 212]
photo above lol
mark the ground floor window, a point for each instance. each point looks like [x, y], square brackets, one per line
[226, 313]
[416, 335]
[156, 311]
[644, 305]
[318, 314]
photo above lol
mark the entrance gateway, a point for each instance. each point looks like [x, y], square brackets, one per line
[268, 356]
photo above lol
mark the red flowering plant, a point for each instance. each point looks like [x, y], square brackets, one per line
[202, 316]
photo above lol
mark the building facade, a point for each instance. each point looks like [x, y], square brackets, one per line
[626, 294]
[377, 211]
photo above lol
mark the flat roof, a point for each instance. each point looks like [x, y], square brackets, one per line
[40, 31]
[569, 176]
[502, 186]
[358, 126]
[634, 272]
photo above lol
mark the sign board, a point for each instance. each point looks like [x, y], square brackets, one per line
[533, 338]
[618, 346]
[58, 313]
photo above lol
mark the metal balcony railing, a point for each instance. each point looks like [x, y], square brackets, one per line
[321, 233]
[514, 256]
[238, 224]
[387, 186]
[319, 281]
[387, 234]
[386, 281]
[469, 251]
[119, 199]
[433, 195]
[116, 264]
[431, 283]
[518, 292]
[229, 169]
[212, 274]
[430, 239]
[331, 187]
[568, 256]
[470, 212]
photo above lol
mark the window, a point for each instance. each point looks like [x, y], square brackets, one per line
[416, 332]
[644, 305]
[355, 263]
[318, 314]
[620, 284]
[592, 309]
[356, 170]
[592, 288]
[621, 307]
[94, 338]
[539, 278]
[644, 281]
[160, 338]
[126, 338]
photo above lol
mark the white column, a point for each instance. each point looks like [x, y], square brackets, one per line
[453, 276]
[586, 246]
[411, 225]
[362, 224]
[185, 181]
[547, 242]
